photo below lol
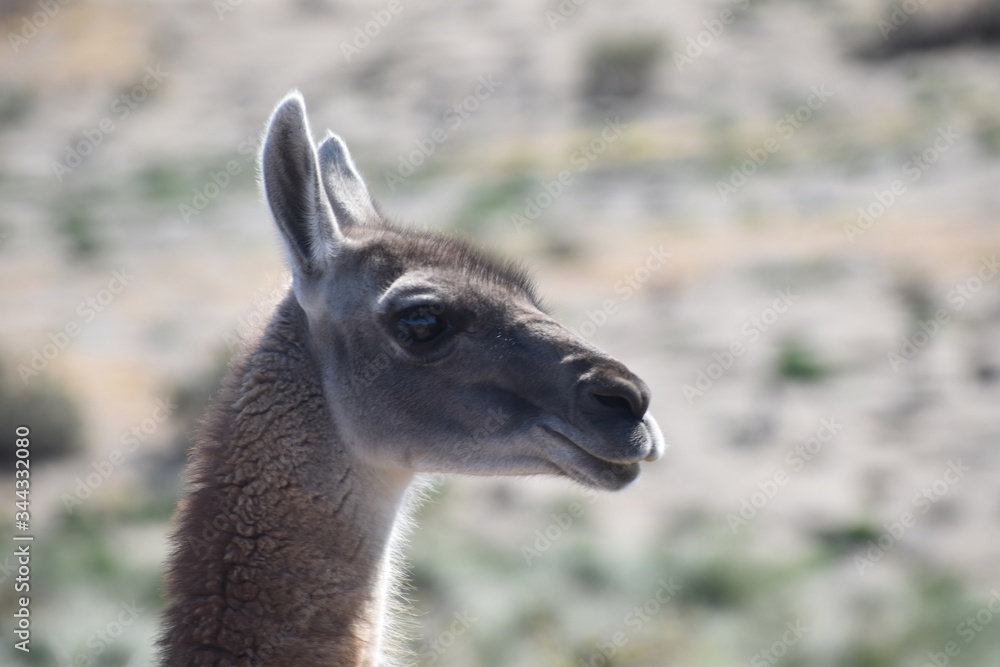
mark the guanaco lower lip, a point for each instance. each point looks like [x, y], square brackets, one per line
[589, 469]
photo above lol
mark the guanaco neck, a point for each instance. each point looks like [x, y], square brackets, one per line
[282, 548]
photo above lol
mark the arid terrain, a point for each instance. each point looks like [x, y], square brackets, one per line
[784, 215]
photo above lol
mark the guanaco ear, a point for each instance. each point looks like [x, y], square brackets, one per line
[344, 185]
[290, 172]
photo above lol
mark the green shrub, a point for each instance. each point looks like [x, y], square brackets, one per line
[619, 71]
[47, 409]
[798, 363]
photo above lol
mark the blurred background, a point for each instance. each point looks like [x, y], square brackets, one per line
[785, 216]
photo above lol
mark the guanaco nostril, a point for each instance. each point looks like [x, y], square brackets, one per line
[622, 405]
[615, 402]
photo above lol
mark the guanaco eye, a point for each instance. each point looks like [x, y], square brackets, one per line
[421, 325]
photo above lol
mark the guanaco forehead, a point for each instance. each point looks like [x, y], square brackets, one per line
[421, 258]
